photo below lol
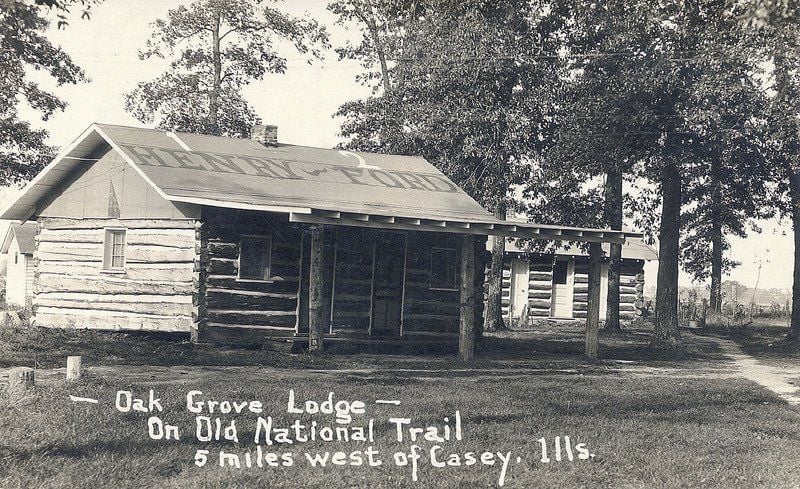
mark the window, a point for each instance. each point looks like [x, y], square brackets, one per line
[254, 258]
[16, 258]
[444, 268]
[560, 272]
[114, 250]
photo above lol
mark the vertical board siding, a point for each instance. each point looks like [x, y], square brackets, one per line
[30, 278]
[153, 293]
[352, 297]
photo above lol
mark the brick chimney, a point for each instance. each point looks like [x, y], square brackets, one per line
[264, 134]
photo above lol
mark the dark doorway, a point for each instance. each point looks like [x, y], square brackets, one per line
[387, 283]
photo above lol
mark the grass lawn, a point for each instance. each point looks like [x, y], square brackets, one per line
[552, 346]
[643, 432]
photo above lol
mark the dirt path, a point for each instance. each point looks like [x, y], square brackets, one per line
[772, 378]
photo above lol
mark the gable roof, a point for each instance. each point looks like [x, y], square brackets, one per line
[312, 185]
[26, 237]
[634, 248]
[230, 172]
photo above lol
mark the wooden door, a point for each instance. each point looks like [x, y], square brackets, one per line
[519, 287]
[387, 284]
[563, 287]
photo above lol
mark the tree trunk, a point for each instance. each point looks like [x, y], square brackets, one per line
[715, 298]
[494, 304]
[213, 96]
[593, 305]
[613, 218]
[666, 327]
[384, 69]
[794, 325]
[380, 50]
[466, 335]
[715, 301]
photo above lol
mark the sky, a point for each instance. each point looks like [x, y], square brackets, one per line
[300, 102]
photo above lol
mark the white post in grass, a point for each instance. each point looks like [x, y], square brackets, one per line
[20, 381]
[73, 368]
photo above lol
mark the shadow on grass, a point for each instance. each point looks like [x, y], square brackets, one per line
[93, 448]
[628, 347]
[560, 346]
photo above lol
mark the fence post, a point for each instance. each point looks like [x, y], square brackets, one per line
[703, 312]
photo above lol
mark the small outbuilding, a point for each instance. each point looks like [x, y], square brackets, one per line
[18, 246]
[555, 285]
[251, 240]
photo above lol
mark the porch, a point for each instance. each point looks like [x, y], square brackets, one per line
[334, 277]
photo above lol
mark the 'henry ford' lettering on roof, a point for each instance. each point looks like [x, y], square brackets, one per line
[280, 169]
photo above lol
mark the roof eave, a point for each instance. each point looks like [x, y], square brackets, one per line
[478, 227]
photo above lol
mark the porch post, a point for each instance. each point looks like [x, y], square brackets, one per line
[466, 337]
[316, 291]
[593, 314]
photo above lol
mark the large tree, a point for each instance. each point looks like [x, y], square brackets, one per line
[699, 66]
[727, 191]
[217, 47]
[599, 116]
[24, 48]
[778, 30]
[455, 79]
[641, 82]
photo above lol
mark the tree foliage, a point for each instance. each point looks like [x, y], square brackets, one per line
[456, 95]
[658, 92]
[217, 47]
[25, 47]
[382, 24]
[778, 33]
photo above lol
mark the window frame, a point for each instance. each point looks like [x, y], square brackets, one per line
[451, 252]
[108, 249]
[268, 275]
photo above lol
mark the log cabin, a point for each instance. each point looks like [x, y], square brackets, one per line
[555, 285]
[18, 246]
[250, 240]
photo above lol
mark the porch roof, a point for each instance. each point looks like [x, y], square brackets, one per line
[491, 226]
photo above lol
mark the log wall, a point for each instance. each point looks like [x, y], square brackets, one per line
[540, 287]
[631, 272]
[426, 310]
[153, 293]
[236, 307]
